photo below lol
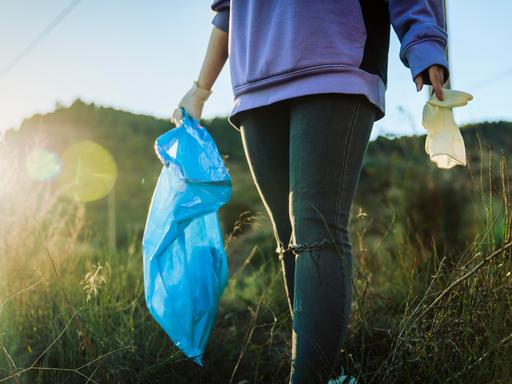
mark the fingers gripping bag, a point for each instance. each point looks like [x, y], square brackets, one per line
[185, 264]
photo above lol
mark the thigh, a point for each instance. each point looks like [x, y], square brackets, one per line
[265, 139]
[329, 134]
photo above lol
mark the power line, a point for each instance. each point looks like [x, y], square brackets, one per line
[11, 64]
[491, 79]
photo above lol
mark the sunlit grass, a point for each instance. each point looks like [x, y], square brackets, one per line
[73, 310]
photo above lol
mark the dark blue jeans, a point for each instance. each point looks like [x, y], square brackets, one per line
[305, 155]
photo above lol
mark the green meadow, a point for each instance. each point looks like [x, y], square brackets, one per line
[432, 264]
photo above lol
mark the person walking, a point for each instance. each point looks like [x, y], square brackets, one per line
[309, 81]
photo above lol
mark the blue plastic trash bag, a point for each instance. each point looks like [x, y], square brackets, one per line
[185, 264]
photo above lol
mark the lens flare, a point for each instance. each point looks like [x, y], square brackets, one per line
[88, 171]
[42, 164]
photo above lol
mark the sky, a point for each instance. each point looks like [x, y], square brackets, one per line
[142, 56]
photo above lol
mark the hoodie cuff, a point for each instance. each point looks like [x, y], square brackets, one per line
[221, 20]
[422, 55]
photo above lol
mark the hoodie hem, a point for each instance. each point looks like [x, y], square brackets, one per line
[351, 80]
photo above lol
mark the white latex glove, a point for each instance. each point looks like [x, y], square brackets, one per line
[444, 142]
[193, 102]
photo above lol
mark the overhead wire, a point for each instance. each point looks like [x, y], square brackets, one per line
[53, 23]
[498, 76]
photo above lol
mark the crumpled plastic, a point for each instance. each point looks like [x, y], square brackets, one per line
[444, 143]
[185, 264]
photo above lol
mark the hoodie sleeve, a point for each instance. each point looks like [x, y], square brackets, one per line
[420, 26]
[221, 18]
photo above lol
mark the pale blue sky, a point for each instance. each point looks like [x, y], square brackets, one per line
[142, 56]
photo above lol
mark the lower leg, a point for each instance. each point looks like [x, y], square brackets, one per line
[287, 259]
[321, 310]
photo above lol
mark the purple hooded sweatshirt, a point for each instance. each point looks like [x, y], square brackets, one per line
[279, 49]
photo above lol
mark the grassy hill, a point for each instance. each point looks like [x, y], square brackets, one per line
[432, 272]
[130, 139]
[395, 172]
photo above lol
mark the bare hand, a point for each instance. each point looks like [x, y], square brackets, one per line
[436, 74]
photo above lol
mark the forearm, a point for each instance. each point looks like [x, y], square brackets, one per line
[215, 58]
[420, 27]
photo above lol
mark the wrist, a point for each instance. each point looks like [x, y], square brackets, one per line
[202, 86]
[202, 93]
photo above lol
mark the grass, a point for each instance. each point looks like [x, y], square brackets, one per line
[73, 311]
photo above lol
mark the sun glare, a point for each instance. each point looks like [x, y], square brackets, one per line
[88, 171]
[42, 164]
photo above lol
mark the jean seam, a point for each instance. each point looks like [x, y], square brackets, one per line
[338, 198]
[342, 179]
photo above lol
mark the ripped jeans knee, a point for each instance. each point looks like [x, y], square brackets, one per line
[294, 248]
[283, 251]
[321, 244]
